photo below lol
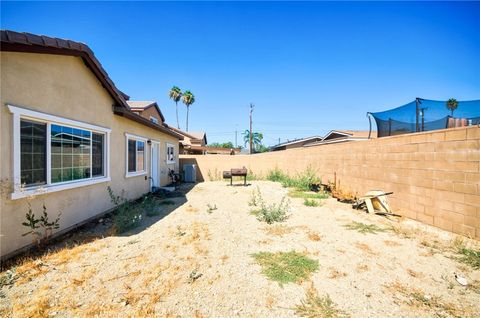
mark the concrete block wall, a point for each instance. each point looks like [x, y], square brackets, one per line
[435, 176]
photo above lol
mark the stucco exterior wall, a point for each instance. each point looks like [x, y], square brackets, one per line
[435, 176]
[63, 86]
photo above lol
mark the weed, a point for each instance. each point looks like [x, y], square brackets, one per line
[364, 228]
[274, 212]
[149, 205]
[33, 223]
[314, 306]
[8, 278]
[180, 232]
[193, 276]
[311, 202]
[302, 181]
[211, 208]
[126, 215]
[286, 267]
[256, 198]
[469, 257]
[307, 195]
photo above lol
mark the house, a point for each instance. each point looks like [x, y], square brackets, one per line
[336, 136]
[67, 133]
[193, 143]
[148, 110]
[297, 143]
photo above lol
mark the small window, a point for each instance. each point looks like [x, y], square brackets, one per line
[136, 156]
[33, 153]
[153, 120]
[170, 153]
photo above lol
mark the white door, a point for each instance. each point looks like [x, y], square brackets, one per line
[155, 165]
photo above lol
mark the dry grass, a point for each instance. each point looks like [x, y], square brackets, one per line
[391, 243]
[415, 274]
[365, 247]
[417, 298]
[86, 275]
[314, 236]
[191, 209]
[335, 273]
[278, 230]
[362, 268]
[224, 258]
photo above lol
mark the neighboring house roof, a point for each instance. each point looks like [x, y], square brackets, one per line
[336, 136]
[12, 41]
[297, 141]
[138, 105]
[193, 136]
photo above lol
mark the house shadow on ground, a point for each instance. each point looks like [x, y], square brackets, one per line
[103, 226]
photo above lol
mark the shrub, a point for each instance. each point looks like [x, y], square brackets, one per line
[274, 212]
[286, 267]
[126, 215]
[302, 181]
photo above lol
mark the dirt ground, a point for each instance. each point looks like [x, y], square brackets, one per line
[196, 262]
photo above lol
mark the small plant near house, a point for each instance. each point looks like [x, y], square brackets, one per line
[364, 228]
[315, 306]
[311, 202]
[126, 215]
[149, 205]
[34, 224]
[274, 212]
[211, 208]
[286, 267]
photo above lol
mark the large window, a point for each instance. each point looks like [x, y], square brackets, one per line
[54, 153]
[135, 155]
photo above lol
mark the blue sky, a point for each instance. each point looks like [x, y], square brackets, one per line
[308, 67]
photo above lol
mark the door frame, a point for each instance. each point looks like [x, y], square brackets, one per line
[157, 143]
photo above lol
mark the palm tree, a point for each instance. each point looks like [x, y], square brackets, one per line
[188, 99]
[452, 104]
[256, 138]
[175, 94]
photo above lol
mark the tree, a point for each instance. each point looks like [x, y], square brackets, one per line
[188, 99]
[227, 145]
[452, 104]
[175, 94]
[256, 138]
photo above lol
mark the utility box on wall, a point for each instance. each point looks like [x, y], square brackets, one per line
[190, 173]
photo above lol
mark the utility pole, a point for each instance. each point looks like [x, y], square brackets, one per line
[251, 136]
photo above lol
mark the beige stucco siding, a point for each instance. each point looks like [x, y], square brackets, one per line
[63, 86]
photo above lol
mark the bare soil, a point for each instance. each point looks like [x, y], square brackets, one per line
[196, 262]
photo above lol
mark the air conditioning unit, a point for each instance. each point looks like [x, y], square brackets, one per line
[190, 173]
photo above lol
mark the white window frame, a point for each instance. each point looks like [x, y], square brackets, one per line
[135, 173]
[174, 157]
[20, 113]
[154, 120]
